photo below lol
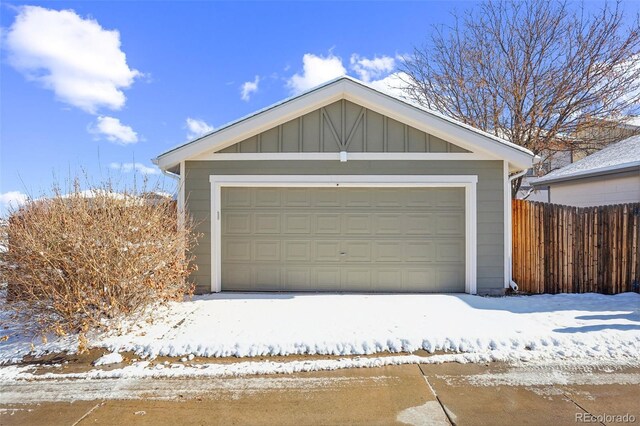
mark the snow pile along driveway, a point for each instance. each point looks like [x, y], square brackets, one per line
[592, 326]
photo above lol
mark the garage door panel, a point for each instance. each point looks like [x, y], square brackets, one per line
[328, 224]
[418, 197]
[266, 251]
[297, 251]
[450, 251]
[237, 223]
[357, 224]
[343, 239]
[327, 250]
[237, 278]
[446, 198]
[236, 197]
[236, 250]
[325, 197]
[297, 278]
[357, 251]
[388, 224]
[388, 251]
[327, 279]
[418, 280]
[419, 223]
[419, 251]
[388, 280]
[266, 223]
[450, 224]
[355, 197]
[390, 197]
[267, 277]
[297, 223]
[356, 279]
[448, 279]
[297, 197]
[267, 197]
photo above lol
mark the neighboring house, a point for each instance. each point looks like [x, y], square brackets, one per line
[344, 188]
[553, 160]
[610, 176]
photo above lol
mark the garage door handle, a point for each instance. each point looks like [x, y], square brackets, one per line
[342, 253]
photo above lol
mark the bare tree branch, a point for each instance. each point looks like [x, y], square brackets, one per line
[543, 74]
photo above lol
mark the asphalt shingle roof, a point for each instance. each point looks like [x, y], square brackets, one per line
[620, 155]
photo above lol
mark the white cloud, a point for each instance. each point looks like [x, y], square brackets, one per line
[12, 200]
[76, 58]
[197, 128]
[393, 84]
[369, 69]
[249, 87]
[138, 167]
[113, 130]
[316, 70]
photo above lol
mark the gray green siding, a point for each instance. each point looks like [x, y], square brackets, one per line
[490, 193]
[343, 126]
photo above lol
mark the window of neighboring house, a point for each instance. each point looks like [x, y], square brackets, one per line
[539, 170]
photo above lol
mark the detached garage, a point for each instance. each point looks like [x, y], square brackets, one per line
[344, 188]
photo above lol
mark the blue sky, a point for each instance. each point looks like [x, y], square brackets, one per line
[106, 86]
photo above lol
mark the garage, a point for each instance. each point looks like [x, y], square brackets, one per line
[348, 239]
[347, 189]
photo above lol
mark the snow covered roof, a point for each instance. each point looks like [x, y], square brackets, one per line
[618, 157]
[342, 87]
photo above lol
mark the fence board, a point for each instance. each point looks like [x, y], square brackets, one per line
[576, 249]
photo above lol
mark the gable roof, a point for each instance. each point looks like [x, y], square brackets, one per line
[360, 93]
[618, 157]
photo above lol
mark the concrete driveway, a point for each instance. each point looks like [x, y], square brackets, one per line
[464, 394]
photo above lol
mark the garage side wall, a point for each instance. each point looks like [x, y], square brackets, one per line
[490, 192]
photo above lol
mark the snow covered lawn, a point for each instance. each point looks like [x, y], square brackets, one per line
[589, 326]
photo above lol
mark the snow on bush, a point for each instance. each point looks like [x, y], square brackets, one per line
[79, 260]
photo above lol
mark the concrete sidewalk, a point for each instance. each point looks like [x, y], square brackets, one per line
[362, 396]
[498, 394]
[471, 394]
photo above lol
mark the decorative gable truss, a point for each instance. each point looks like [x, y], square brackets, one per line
[343, 126]
[345, 119]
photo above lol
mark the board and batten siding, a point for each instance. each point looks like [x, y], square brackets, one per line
[490, 202]
[343, 126]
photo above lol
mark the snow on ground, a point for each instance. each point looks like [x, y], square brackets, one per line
[108, 359]
[21, 384]
[544, 327]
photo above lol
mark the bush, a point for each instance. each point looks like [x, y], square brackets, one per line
[77, 261]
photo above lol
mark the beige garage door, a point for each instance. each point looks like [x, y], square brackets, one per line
[343, 239]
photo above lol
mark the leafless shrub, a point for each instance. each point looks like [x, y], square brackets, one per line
[80, 260]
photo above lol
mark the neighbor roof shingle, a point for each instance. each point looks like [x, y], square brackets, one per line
[616, 157]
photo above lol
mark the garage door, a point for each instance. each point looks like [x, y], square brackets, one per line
[343, 239]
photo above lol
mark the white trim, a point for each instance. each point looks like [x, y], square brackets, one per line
[468, 182]
[254, 125]
[368, 156]
[344, 88]
[454, 132]
[507, 224]
[181, 197]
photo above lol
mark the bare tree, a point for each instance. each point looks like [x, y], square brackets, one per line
[540, 73]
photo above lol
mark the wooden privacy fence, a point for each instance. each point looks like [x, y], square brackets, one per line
[563, 249]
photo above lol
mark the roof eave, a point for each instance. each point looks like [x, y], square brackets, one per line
[350, 89]
[619, 168]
